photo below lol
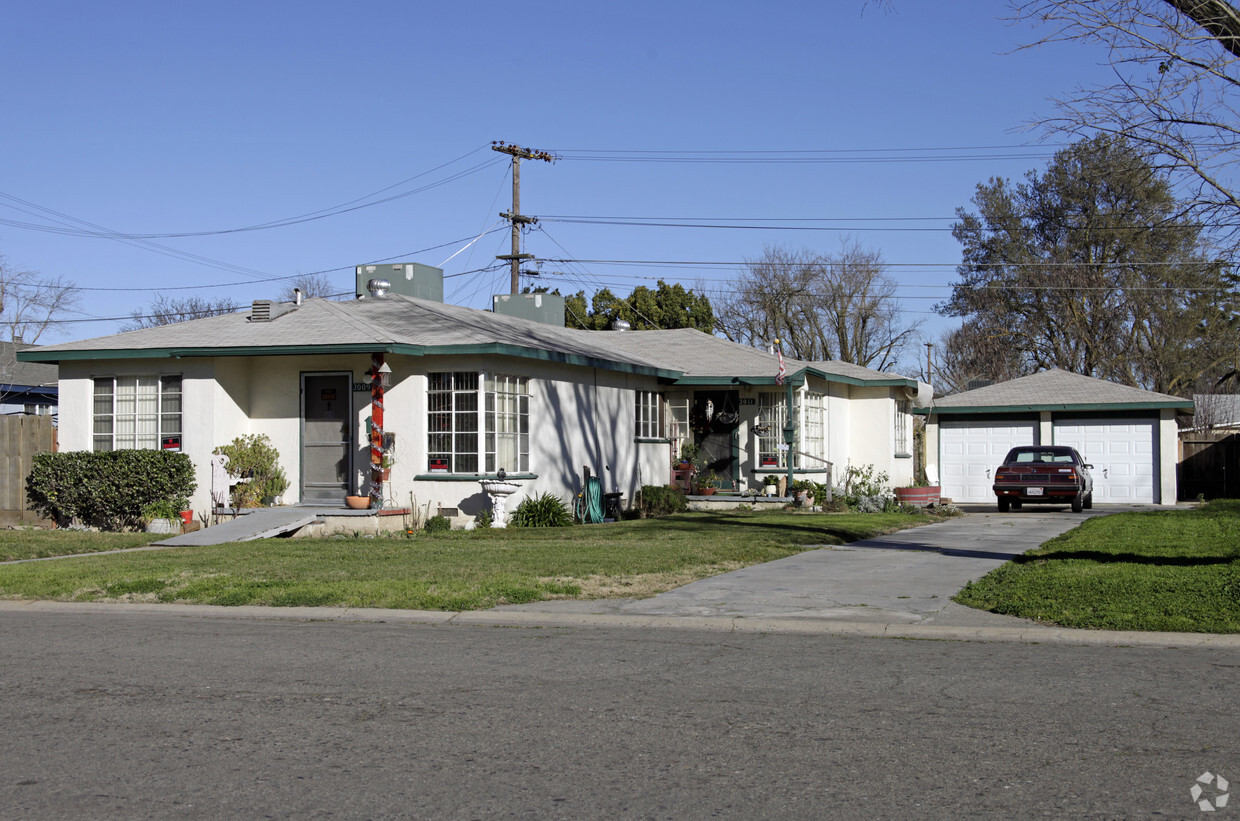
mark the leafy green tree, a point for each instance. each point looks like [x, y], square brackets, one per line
[665, 308]
[1091, 267]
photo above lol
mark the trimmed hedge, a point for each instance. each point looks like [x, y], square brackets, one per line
[106, 488]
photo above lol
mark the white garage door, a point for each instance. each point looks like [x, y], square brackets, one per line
[1124, 453]
[969, 452]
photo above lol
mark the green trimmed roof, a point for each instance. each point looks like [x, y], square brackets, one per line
[406, 325]
[1055, 390]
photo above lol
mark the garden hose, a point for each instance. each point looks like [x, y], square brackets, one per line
[590, 502]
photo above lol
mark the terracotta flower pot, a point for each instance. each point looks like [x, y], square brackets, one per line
[357, 502]
[919, 496]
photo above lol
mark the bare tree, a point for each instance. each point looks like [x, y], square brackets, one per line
[29, 303]
[167, 311]
[977, 352]
[312, 286]
[841, 306]
[1176, 93]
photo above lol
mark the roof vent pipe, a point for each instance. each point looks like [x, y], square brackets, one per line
[297, 296]
[621, 325]
[378, 287]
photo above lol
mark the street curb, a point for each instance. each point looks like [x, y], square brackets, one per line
[528, 619]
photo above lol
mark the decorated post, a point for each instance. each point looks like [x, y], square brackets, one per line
[376, 429]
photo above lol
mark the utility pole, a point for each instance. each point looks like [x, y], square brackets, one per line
[514, 216]
[929, 348]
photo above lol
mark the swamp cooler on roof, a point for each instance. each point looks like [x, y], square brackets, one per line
[407, 278]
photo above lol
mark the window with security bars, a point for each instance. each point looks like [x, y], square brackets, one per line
[809, 412]
[647, 405]
[772, 414]
[903, 424]
[476, 420]
[136, 412]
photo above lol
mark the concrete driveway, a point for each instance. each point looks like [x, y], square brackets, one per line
[904, 578]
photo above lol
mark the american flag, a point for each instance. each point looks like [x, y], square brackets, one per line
[779, 377]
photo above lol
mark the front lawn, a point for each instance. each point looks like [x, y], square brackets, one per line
[1175, 570]
[37, 544]
[452, 571]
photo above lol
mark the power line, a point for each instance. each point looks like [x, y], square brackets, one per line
[357, 204]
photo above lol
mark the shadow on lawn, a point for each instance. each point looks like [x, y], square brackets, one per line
[815, 533]
[1103, 557]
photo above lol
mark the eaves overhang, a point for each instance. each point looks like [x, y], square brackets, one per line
[483, 348]
[798, 378]
[1078, 407]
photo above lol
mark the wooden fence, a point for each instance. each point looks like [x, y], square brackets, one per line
[21, 437]
[1209, 464]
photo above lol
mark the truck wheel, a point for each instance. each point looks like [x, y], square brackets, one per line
[1016, 504]
[1078, 504]
[1089, 501]
[1004, 504]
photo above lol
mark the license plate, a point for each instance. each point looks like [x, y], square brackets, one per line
[1033, 491]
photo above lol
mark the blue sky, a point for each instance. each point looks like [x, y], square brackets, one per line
[148, 118]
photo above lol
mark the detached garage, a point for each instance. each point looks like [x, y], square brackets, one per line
[1129, 435]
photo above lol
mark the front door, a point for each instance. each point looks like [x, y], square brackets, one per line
[715, 417]
[326, 409]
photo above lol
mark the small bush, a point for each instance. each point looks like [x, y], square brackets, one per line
[164, 509]
[541, 511]
[662, 500]
[253, 457]
[864, 482]
[438, 524]
[107, 488]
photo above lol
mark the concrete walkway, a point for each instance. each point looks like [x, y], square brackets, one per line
[259, 523]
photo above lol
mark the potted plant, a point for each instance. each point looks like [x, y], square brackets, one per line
[688, 452]
[770, 484]
[707, 483]
[163, 515]
[803, 492]
[919, 494]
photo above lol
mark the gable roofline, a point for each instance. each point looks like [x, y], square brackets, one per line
[1054, 390]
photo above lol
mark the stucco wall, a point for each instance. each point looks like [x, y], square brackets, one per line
[579, 417]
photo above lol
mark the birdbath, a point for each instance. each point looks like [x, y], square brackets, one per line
[499, 491]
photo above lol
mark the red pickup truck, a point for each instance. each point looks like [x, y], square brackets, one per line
[1044, 474]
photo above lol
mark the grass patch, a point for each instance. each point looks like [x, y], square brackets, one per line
[1175, 570]
[38, 544]
[452, 571]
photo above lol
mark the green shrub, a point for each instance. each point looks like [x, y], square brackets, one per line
[107, 488]
[541, 511]
[438, 524]
[164, 509]
[662, 500]
[253, 457]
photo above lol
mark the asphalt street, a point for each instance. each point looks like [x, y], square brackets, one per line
[159, 714]
[765, 693]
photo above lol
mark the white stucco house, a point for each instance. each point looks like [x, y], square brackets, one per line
[1129, 435]
[470, 392]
